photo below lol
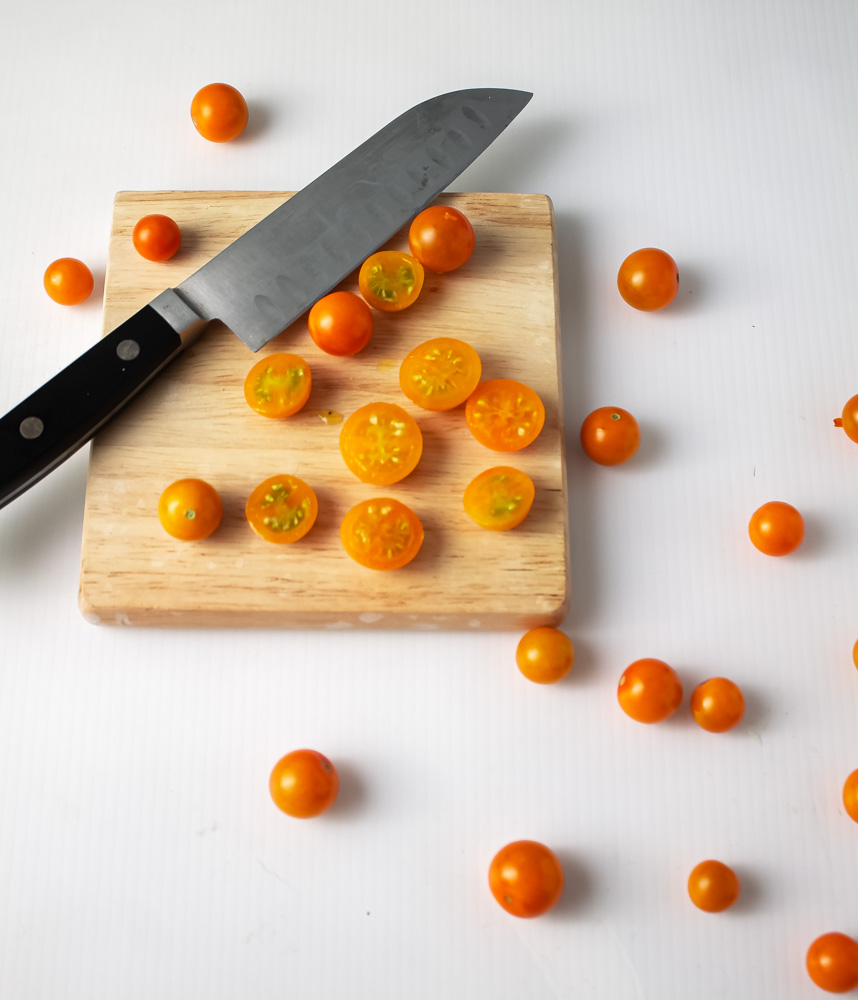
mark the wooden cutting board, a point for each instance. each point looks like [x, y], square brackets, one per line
[192, 421]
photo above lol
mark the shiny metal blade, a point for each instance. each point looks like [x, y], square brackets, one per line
[272, 274]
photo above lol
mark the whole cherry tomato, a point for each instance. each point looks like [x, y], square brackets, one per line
[390, 280]
[499, 498]
[648, 279]
[855, 654]
[776, 528]
[610, 435]
[156, 237]
[850, 796]
[441, 238]
[340, 324]
[545, 655]
[190, 509]
[304, 784]
[282, 509]
[832, 962]
[381, 443]
[219, 112]
[278, 385]
[68, 281]
[717, 705]
[526, 878]
[713, 886]
[381, 533]
[440, 374]
[649, 691]
[848, 419]
[504, 415]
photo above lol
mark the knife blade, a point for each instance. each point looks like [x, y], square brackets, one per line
[265, 279]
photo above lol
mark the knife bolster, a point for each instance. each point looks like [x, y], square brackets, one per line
[175, 309]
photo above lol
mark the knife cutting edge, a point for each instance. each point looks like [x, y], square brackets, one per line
[265, 279]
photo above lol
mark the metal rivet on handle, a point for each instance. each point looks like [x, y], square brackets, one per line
[127, 350]
[31, 427]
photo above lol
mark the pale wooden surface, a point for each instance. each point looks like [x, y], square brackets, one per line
[193, 421]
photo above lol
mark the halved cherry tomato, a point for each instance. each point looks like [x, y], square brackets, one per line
[190, 509]
[440, 374]
[717, 705]
[282, 509]
[156, 237]
[648, 279]
[776, 528]
[545, 655]
[832, 962]
[850, 796]
[504, 415]
[304, 784]
[381, 443]
[381, 533]
[649, 691]
[340, 323]
[441, 238]
[526, 878]
[499, 498]
[848, 419]
[713, 886]
[278, 385]
[610, 435]
[219, 112]
[68, 281]
[390, 280]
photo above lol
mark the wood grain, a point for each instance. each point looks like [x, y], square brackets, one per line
[193, 421]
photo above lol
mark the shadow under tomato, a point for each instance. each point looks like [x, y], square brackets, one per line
[353, 794]
[578, 887]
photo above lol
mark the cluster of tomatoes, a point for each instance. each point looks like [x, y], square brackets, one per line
[382, 444]
[650, 690]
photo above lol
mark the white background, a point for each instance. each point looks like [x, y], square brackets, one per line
[140, 854]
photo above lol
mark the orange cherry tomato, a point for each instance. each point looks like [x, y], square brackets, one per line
[282, 509]
[381, 533]
[278, 385]
[190, 509]
[545, 655]
[610, 435]
[776, 528]
[713, 886]
[381, 443]
[848, 419]
[832, 962]
[648, 279]
[855, 654]
[304, 784]
[440, 374]
[390, 280]
[219, 112]
[340, 324]
[68, 281]
[526, 878]
[441, 238]
[499, 498]
[649, 691]
[717, 705]
[504, 415]
[156, 237]
[850, 796]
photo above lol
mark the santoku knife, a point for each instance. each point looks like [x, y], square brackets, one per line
[266, 279]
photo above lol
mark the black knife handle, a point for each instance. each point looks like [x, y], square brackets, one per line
[49, 426]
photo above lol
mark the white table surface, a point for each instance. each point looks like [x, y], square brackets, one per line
[140, 854]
